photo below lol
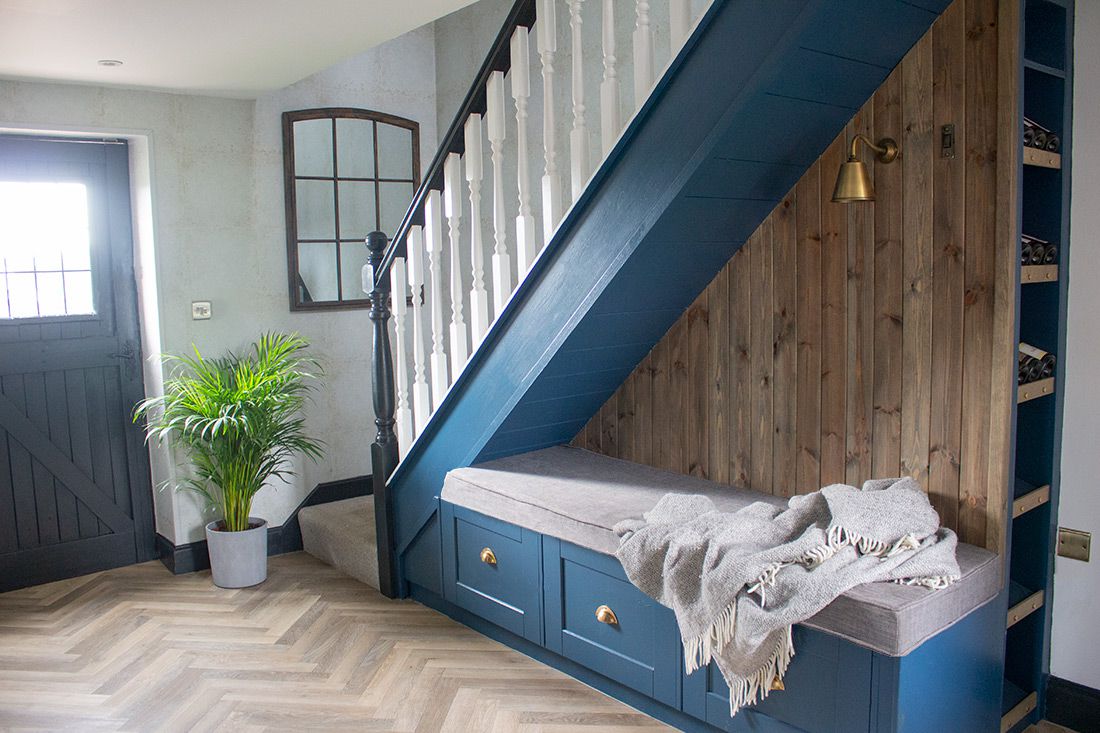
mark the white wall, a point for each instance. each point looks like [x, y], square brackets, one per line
[219, 232]
[1076, 639]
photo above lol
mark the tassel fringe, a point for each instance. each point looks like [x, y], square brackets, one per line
[756, 687]
[700, 650]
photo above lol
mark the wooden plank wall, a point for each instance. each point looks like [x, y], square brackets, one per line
[848, 342]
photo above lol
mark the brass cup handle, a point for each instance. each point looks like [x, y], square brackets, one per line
[605, 615]
[488, 556]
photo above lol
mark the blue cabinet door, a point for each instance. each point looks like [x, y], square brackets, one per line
[828, 690]
[493, 569]
[596, 617]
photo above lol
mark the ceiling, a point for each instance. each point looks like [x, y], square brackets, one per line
[224, 47]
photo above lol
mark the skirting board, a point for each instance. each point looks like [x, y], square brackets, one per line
[1072, 705]
[285, 538]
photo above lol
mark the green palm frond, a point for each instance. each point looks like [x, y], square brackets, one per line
[237, 417]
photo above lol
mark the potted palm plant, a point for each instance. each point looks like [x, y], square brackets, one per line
[238, 419]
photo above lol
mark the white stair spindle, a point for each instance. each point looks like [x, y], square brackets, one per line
[610, 120]
[679, 23]
[578, 136]
[479, 300]
[643, 53]
[546, 30]
[400, 308]
[452, 209]
[502, 262]
[440, 381]
[421, 396]
[526, 245]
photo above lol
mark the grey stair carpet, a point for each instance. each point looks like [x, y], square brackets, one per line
[342, 534]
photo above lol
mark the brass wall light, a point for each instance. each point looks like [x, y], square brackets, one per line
[853, 182]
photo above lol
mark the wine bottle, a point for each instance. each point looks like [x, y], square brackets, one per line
[1034, 352]
[1022, 367]
[1037, 250]
[1041, 139]
[1050, 254]
[1025, 253]
[1047, 365]
[1054, 143]
[1034, 364]
[1035, 370]
[1029, 136]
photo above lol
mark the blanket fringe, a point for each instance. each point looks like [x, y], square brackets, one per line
[935, 582]
[838, 538]
[700, 650]
[753, 689]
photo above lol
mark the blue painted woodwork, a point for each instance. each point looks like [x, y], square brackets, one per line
[828, 689]
[507, 593]
[951, 682]
[642, 651]
[665, 211]
[1045, 77]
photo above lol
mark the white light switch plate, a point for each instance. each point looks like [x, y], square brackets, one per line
[201, 310]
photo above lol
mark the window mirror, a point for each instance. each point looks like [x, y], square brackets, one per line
[348, 172]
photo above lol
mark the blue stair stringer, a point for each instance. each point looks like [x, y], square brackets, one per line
[753, 99]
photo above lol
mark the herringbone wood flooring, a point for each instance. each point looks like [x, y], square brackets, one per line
[138, 649]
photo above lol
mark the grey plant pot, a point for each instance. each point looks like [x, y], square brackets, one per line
[238, 559]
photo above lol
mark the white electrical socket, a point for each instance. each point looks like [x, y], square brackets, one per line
[201, 310]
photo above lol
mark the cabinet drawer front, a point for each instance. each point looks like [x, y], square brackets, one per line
[493, 570]
[613, 628]
[827, 691]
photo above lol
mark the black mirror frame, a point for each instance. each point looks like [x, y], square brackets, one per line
[290, 197]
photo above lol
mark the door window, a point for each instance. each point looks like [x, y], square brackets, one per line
[45, 250]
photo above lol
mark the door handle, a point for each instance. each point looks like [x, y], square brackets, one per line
[128, 351]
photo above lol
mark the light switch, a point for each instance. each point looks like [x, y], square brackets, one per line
[201, 310]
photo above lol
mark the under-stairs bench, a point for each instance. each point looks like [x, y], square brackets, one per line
[528, 546]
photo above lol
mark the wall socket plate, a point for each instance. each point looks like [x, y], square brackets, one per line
[1074, 544]
[201, 310]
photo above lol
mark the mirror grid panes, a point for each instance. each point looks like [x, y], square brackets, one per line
[348, 172]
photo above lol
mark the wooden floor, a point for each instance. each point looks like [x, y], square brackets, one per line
[139, 649]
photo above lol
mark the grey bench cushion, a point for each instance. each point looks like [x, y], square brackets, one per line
[579, 496]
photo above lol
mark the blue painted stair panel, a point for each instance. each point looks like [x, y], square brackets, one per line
[759, 91]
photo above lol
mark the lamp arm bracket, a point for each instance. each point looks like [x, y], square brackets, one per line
[886, 150]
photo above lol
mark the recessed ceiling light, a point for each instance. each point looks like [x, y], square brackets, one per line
[109, 62]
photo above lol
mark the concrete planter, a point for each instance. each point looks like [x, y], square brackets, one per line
[238, 559]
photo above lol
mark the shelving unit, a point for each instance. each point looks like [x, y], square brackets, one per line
[1033, 274]
[1046, 78]
[1035, 390]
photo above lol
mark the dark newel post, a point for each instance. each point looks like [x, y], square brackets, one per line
[384, 455]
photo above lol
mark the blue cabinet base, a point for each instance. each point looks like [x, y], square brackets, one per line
[536, 594]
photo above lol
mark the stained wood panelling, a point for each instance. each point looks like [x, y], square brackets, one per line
[843, 343]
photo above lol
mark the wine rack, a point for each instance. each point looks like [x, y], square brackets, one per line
[1044, 118]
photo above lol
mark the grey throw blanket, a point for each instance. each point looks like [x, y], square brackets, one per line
[739, 581]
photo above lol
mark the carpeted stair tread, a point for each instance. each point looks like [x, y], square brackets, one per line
[342, 534]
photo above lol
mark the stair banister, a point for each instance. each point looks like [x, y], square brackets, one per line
[416, 255]
[384, 450]
[385, 453]
[498, 59]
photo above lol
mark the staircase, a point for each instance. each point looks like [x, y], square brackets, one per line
[531, 304]
[342, 534]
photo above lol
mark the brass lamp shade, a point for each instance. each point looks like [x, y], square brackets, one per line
[853, 183]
